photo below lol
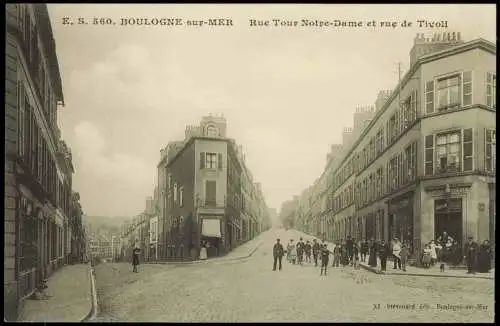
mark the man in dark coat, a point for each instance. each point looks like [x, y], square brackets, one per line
[349, 243]
[471, 250]
[325, 255]
[135, 258]
[384, 252]
[315, 249]
[278, 253]
[300, 251]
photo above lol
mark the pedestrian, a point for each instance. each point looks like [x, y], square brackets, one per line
[403, 254]
[396, 248]
[289, 250]
[307, 250]
[278, 253]
[135, 258]
[383, 253]
[471, 250]
[434, 255]
[203, 251]
[355, 256]
[363, 250]
[349, 246]
[325, 254]
[300, 251]
[315, 249]
[372, 259]
[427, 256]
[484, 257]
[336, 254]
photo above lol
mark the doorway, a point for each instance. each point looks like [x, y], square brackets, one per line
[448, 217]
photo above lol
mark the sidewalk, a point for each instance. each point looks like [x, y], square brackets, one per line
[432, 271]
[69, 297]
[415, 271]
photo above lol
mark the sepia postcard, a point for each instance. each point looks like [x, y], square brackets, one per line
[250, 163]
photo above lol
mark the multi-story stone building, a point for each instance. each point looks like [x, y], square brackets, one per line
[424, 161]
[206, 194]
[38, 164]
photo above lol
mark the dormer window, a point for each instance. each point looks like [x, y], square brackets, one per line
[212, 131]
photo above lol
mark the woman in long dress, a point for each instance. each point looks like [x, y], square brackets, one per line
[203, 251]
[484, 257]
[372, 259]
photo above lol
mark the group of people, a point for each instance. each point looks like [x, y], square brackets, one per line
[344, 253]
[446, 250]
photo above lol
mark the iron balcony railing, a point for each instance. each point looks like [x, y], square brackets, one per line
[211, 203]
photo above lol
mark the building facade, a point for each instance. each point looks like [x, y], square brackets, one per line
[38, 164]
[427, 164]
[206, 194]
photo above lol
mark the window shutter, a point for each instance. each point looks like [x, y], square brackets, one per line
[219, 160]
[468, 150]
[467, 87]
[202, 160]
[414, 106]
[429, 97]
[429, 155]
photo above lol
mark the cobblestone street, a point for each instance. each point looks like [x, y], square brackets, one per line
[248, 290]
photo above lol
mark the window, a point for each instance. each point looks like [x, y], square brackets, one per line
[22, 118]
[175, 192]
[491, 90]
[468, 150]
[181, 196]
[490, 149]
[210, 160]
[212, 131]
[448, 92]
[392, 128]
[467, 87]
[448, 152]
[411, 162]
[429, 153]
[210, 192]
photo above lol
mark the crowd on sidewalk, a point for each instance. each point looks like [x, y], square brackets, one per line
[444, 251]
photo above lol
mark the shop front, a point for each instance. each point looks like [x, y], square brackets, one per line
[212, 235]
[400, 219]
[448, 218]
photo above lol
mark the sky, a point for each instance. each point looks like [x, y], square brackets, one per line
[286, 92]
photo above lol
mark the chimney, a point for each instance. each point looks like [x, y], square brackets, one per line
[438, 42]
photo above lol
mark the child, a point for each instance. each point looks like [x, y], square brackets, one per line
[404, 256]
[426, 258]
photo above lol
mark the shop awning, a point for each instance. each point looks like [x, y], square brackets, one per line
[211, 228]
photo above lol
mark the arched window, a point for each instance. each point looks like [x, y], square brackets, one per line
[212, 131]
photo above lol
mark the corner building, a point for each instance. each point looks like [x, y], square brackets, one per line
[428, 164]
[206, 194]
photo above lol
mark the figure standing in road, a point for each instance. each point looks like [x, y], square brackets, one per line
[325, 255]
[404, 256]
[300, 251]
[203, 251]
[315, 249]
[135, 258]
[336, 254]
[470, 255]
[363, 250]
[372, 259]
[307, 250]
[383, 253]
[484, 257]
[278, 253]
[349, 246]
[396, 249]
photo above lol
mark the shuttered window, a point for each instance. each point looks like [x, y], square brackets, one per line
[468, 150]
[490, 149]
[467, 87]
[413, 106]
[219, 161]
[491, 90]
[429, 97]
[429, 155]
[202, 160]
[21, 119]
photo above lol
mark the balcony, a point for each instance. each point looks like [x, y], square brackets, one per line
[207, 206]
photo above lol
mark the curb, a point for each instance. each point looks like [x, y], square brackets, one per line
[376, 271]
[211, 261]
[95, 308]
